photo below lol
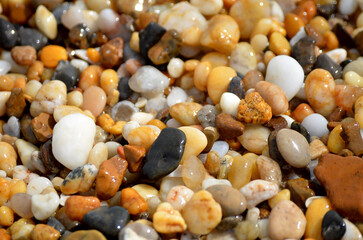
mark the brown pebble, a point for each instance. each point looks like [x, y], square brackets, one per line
[251, 79]
[94, 100]
[228, 127]
[345, 153]
[42, 126]
[110, 176]
[276, 123]
[300, 191]
[50, 163]
[77, 206]
[213, 163]
[351, 135]
[86, 234]
[337, 114]
[112, 52]
[16, 103]
[35, 71]
[167, 48]
[26, 129]
[342, 178]
[134, 155]
[24, 55]
[44, 232]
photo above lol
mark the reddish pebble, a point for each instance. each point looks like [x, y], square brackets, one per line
[121, 152]
[94, 100]
[77, 206]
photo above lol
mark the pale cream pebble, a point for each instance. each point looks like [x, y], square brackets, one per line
[25, 149]
[269, 169]
[168, 220]
[112, 148]
[254, 138]
[98, 154]
[45, 203]
[168, 183]
[22, 172]
[32, 87]
[75, 98]
[178, 196]
[57, 182]
[146, 191]
[46, 22]
[142, 118]
[37, 185]
[259, 42]
[175, 67]
[208, 7]
[4, 96]
[317, 149]
[64, 110]
[351, 78]
[243, 58]
[258, 191]
[196, 142]
[263, 27]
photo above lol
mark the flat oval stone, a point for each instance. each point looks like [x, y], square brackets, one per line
[108, 220]
[72, 140]
[94, 100]
[333, 226]
[232, 201]
[165, 153]
[293, 147]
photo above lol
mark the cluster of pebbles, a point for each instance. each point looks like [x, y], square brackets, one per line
[166, 119]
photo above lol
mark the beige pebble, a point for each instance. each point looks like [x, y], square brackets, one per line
[258, 191]
[166, 219]
[196, 142]
[201, 73]
[64, 110]
[178, 196]
[269, 169]
[8, 158]
[4, 96]
[46, 22]
[274, 96]
[243, 58]
[98, 154]
[254, 138]
[75, 98]
[193, 173]
[94, 100]
[218, 81]
[143, 136]
[185, 112]
[32, 87]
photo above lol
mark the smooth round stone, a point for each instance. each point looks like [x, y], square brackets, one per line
[8, 34]
[347, 7]
[231, 200]
[209, 182]
[137, 230]
[94, 100]
[123, 111]
[60, 10]
[108, 220]
[229, 103]
[314, 217]
[37, 185]
[4, 67]
[165, 153]
[254, 138]
[148, 80]
[333, 226]
[243, 58]
[72, 17]
[316, 124]
[8, 158]
[20, 203]
[293, 147]
[177, 95]
[46, 22]
[32, 37]
[72, 140]
[218, 82]
[286, 221]
[196, 141]
[85, 234]
[66, 73]
[186, 113]
[352, 231]
[287, 73]
[193, 173]
[324, 61]
[57, 225]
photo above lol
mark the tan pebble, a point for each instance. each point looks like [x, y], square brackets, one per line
[143, 136]
[243, 58]
[35, 71]
[109, 80]
[134, 155]
[42, 126]
[320, 24]
[216, 59]
[258, 191]
[269, 170]
[202, 222]
[178, 196]
[75, 98]
[191, 36]
[46, 22]
[279, 44]
[43, 231]
[286, 221]
[94, 100]
[17, 186]
[222, 34]
[86, 234]
[98, 154]
[90, 77]
[77, 206]
[301, 112]
[185, 112]
[274, 96]
[21, 229]
[293, 23]
[212, 163]
[201, 73]
[135, 42]
[64, 110]
[146, 191]
[218, 81]
[240, 171]
[111, 52]
[168, 220]
[6, 83]
[193, 173]
[8, 158]
[196, 142]
[262, 27]
[259, 42]
[282, 195]
[251, 79]
[335, 142]
[190, 64]
[317, 149]
[24, 55]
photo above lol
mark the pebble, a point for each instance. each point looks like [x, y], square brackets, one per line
[269, 169]
[108, 220]
[94, 100]
[247, 230]
[53, 222]
[218, 81]
[254, 109]
[324, 61]
[77, 206]
[303, 51]
[22, 229]
[132, 201]
[80, 179]
[285, 72]
[143, 136]
[178, 196]
[231, 200]
[25, 150]
[32, 37]
[193, 173]
[196, 141]
[42, 231]
[293, 147]
[149, 36]
[258, 191]
[111, 52]
[207, 114]
[316, 125]
[73, 139]
[254, 138]
[279, 45]
[138, 230]
[286, 221]
[167, 220]
[52, 54]
[4, 96]
[86, 234]
[166, 48]
[340, 187]
[43, 205]
[352, 231]
[134, 155]
[42, 126]
[333, 226]
[20, 203]
[8, 158]
[243, 58]
[314, 217]
[48, 97]
[202, 222]
[46, 22]
[229, 103]
[274, 96]
[240, 171]
[9, 34]
[300, 190]
[66, 73]
[4, 67]
[24, 55]
[110, 177]
[177, 95]
[12, 127]
[185, 113]
[228, 127]
[148, 80]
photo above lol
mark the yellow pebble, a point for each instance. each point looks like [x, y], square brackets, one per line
[353, 79]
[75, 98]
[263, 27]
[218, 81]
[157, 123]
[52, 54]
[240, 172]
[314, 217]
[109, 80]
[6, 83]
[94, 55]
[17, 186]
[196, 142]
[191, 36]
[201, 74]
[116, 129]
[146, 191]
[259, 42]
[320, 24]
[105, 122]
[135, 42]
[4, 190]
[282, 195]
[335, 141]
[253, 158]
[190, 65]
[6, 216]
[279, 44]
[216, 59]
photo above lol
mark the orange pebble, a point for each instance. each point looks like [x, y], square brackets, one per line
[331, 40]
[77, 206]
[132, 65]
[228, 3]
[90, 77]
[306, 10]
[20, 83]
[121, 152]
[6, 83]
[293, 23]
[301, 112]
[157, 123]
[4, 235]
[93, 55]
[52, 54]
[132, 201]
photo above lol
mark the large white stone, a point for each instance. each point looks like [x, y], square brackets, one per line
[73, 138]
[287, 73]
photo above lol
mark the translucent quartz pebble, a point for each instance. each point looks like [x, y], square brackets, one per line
[123, 111]
[221, 147]
[176, 95]
[37, 185]
[21, 204]
[72, 17]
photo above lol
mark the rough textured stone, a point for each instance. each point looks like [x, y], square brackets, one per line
[16, 103]
[42, 126]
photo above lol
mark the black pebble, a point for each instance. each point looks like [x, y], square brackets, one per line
[301, 129]
[303, 52]
[333, 227]
[8, 34]
[165, 153]
[326, 10]
[345, 63]
[66, 73]
[149, 37]
[236, 86]
[108, 220]
[345, 40]
[325, 62]
[129, 54]
[53, 222]
[50, 163]
[124, 88]
[32, 37]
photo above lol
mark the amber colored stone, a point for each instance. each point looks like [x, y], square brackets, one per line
[16, 103]
[86, 234]
[134, 155]
[77, 206]
[300, 191]
[42, 126]
[352, 136]
[228, 127]
[342, 178]
[293, 23]
[167, 48]
[4, 235]
[112, 52]
[145, 18]
[133, 201]
[110, 176]
[20, 11]
[45, 232]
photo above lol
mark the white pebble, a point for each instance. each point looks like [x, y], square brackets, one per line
[178, 196]
[32, 87]
[173, 123]
[63, 198]
[276, 11]
[167, 184]
[73, 138]
[128, 127]
[80, 64]
[112, 148]
[253, 214]
[22, 172]
[208, 7]
[338, 55]
[12, 127]
[316, 125]
[177, 95]
[352, 232]
[258, 191]
[123, 110]
[156, 104]
[25, 149]
[347, 7]
[2, 173]
[91, 20]
[148, 80]
[141, 102]
[4, 67]
[15, 68]
[229, 103]
[175, 67]
[263, 225]
[298, 36]
[44, 205]
[72, 17]
[4, 96]
[213, 181]
[221, 147]
[142, 117]
[37, 185]
[287, 73]
[107, 20]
